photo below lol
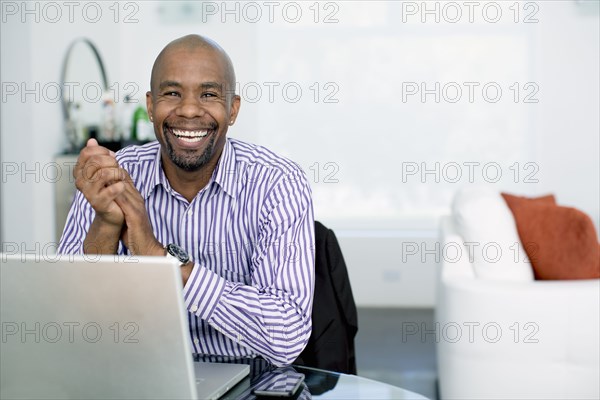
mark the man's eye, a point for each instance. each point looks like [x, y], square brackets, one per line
[209, 94]
[171, 94]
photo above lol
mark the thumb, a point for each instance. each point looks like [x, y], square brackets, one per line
[91, 143]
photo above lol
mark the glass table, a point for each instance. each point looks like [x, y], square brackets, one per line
[318, 384]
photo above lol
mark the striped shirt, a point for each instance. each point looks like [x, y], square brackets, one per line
[250, 233]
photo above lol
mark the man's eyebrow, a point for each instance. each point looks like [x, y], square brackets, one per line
[211, 85]
[166, 84]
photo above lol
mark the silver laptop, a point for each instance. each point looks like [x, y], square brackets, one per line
[90, 327]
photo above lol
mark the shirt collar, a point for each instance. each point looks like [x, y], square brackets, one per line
[224, 174]
[156, 177]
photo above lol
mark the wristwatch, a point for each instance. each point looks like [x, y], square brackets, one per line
[176, 252]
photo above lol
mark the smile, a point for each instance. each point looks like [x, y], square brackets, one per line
[189, 136]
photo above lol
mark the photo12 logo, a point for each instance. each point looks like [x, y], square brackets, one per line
[253, 12]
[49, 252]
[53, 12]
[54, 92]
[288, 92]
[452, 12]
[68, 332]
[468, 171]
[469, 92]
[472, 332]
[454, 252]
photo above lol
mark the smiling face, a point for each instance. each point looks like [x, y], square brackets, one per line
[191, 105]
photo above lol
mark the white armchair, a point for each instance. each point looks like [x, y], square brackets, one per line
[514, 339]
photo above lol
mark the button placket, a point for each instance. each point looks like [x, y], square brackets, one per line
[186, 224]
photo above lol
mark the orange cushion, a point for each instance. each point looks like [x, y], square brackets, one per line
[516, 201]
[561, 242]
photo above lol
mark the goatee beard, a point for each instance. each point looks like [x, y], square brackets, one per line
[189, 162]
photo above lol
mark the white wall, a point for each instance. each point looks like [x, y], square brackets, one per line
[32, 127]
[16, 196]
[371, 210]
[568, 137]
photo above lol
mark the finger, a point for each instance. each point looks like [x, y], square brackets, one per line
[94, 143]
[127, 178]
[90, 186]
[91, 150]
[97, 163]
[112, 192]
[130, 187]
[91, 165]
[104, 201]
[131, 201]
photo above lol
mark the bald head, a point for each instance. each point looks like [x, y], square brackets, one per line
[191, 44]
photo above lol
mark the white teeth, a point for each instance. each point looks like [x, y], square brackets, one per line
[189, 140]
[189, 136]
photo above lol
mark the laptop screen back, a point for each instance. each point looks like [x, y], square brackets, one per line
[93, 327]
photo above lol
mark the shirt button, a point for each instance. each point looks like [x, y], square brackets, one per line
[190, 213]
[196, 340]
[194, 308]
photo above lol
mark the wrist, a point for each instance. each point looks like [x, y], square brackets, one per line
[177, 253]
[158, 250]
[108, 223]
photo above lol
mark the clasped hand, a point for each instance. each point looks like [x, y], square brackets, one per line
[120, 209]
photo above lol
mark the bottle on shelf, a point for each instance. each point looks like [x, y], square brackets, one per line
[75, 132]
[126, 110]
[109, 129]
[142, 129]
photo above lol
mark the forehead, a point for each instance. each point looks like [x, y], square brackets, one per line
[191, 65]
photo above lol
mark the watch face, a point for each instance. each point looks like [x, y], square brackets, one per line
[178, 253]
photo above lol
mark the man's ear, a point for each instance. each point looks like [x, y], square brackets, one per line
[235, 108]
[149, 105]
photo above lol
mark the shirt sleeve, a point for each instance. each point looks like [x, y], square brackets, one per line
[78, 223]
[77, 226]
[272, 316]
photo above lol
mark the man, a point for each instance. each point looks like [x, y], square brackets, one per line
[238, 217]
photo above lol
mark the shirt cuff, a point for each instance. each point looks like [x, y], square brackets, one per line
[203, 291]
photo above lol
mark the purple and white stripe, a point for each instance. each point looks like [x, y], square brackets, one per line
[250, 232]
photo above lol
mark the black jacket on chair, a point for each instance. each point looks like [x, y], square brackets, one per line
[334, 316]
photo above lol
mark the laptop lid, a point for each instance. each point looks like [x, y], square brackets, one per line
[95, 327]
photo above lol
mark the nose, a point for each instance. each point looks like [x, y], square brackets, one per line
[190, 107]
